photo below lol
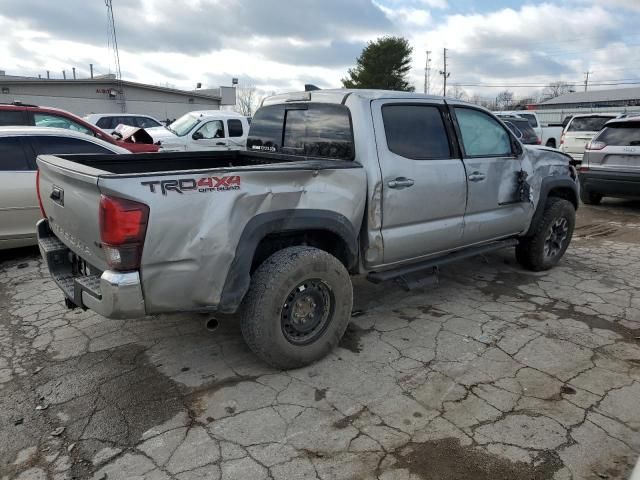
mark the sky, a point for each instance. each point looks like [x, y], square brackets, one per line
[278, 45]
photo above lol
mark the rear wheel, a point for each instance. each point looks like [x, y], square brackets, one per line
[297, 307]
[552, 235]
[590, 198]
[551, 143]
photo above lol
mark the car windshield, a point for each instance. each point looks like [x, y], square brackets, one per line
[622, 135]
[587, 124]
[183, 125]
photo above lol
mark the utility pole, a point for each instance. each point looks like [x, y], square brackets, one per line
[586, 81]
[445, 74]
[427, 73]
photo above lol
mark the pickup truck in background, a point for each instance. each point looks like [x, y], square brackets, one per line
[202, 130]
[333, 183]
[549, 135]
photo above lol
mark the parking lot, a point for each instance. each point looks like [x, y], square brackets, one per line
[496, 373]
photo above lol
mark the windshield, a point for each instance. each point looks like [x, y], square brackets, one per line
[587, 124]
[183, 125]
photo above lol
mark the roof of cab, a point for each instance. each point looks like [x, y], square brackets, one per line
[216, 113]
[339, 95]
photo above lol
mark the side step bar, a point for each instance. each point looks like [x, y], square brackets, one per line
[379, 277]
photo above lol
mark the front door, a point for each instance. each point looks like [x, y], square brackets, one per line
[209, 136]
[492, 160]
[19, 210]
[423, 179]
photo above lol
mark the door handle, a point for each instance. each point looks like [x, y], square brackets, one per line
[400, 183]
[220, 143]
[476, 177]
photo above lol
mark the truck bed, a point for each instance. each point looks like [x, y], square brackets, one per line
[148, 163]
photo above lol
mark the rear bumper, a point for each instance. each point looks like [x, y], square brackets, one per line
[610, 183]
[109, 293]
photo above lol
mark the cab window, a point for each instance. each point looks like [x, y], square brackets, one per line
[482, 135]
[213, 129]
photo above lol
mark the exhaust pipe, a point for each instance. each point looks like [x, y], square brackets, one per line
[212, 324]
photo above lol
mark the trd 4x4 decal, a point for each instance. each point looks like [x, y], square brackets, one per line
[203, 184]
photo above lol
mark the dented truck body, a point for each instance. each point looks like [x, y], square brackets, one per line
[378, 179]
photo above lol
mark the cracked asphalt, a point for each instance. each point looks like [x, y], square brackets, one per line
[496, 373]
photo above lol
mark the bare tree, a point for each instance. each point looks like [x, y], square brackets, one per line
[555, 89]
[504, 100]
[457, 92]
[246, 100]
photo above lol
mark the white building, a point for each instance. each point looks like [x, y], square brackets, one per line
[108, 95]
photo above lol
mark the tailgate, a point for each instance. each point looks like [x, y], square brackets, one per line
[576, 142]
[71, 201]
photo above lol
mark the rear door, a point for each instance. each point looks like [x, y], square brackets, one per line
[492, 160]
[424, 187]
[19, 210]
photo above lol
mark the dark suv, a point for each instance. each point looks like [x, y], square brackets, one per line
[521, 128]
[17, 114]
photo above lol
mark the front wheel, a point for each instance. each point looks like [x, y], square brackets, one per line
[297, 307]
[551, 237]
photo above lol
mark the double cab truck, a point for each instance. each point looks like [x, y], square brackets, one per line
[333, 183]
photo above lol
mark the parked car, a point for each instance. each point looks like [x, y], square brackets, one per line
[549, 135]
[611, 162]
[19, 146]
[521, 128]
[18, 114]
[109, 121]
[580, 130]
[203, 130]
[333, 182]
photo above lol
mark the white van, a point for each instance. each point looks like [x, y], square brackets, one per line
[203, 130]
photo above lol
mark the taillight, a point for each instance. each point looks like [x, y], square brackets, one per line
[123, 225]
[593, 145]
[584, 168]
[42, 212]
[538, 141]
[562, 139]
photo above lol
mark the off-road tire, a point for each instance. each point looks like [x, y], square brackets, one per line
[530, 252]
[271, 285]
[590, 198]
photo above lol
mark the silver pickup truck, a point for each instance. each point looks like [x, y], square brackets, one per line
[333, 183]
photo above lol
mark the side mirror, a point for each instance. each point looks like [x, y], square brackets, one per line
[197, 136]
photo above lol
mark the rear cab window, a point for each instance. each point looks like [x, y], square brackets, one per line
[305, 129]
[587, 124]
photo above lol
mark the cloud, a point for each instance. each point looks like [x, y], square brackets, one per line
[279, 46]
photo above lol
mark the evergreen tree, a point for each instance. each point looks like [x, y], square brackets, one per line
[383, 64]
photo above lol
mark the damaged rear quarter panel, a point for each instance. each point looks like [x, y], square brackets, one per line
[192, 236]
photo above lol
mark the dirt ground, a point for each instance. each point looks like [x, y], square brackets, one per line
[495, 373]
